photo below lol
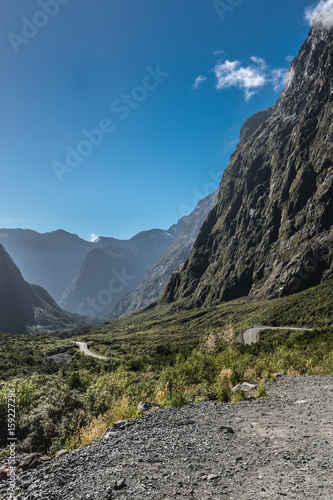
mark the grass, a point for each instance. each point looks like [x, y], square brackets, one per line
[169, 356]
[169, 331]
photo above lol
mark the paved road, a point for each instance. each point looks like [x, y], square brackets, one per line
[251, 335]
[84, 348]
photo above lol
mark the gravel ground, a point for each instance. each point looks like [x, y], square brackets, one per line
[258, 449]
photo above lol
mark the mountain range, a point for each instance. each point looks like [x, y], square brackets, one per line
[158, 275]
[266, 233]
[108, 273]
[270, 233]
[90, 278]
[110, 268]
[53, 260]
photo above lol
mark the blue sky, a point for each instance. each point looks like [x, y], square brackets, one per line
[168, 83]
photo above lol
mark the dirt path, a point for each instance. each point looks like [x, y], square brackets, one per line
[272, 448]
[84, 348]
[251, 335]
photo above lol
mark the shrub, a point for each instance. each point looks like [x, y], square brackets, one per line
[261, 391]
[223, 385]
[238, 396]
[178, 396]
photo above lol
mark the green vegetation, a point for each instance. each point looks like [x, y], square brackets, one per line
[169, 359]
[136, 340]
[24, 355]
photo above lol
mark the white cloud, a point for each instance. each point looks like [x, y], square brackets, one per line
[218, 52]
[250, 79]
[278, 78]
[322, 14]
[259, 61]
[198, 81]
[94, 238]
[231, 74]
[289, 58]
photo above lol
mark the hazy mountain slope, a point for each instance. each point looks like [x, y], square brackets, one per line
[271, 230]
[104, 276]
[107, 274]
[52, 260]
[28, 308]
[158, 275]
[16, 297]
[49, 259]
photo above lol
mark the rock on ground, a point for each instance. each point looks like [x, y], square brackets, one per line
[273, 448]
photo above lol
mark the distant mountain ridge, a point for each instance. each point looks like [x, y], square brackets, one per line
[108, 273]
[158, 275]
[271, 232]
[52, 260]
[26, 308]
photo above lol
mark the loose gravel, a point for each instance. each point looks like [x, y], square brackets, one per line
[269, 448]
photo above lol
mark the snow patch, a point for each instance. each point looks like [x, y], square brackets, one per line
[94, 238]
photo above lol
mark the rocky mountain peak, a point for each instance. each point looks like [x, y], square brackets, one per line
[271, 233]
[310, 72]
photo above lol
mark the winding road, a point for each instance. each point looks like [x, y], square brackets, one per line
[84, 348]
[251, 335]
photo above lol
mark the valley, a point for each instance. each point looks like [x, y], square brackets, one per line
[193, 361]
[166, 356]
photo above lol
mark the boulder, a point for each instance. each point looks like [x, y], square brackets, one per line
[226, 429]
[245, 386]
[32, 461]
[120, 424]
[60, 453]
[213, 477]
[146, 406]
[4, 473]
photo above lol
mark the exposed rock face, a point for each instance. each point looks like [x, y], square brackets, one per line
[271, 230]
[158, 275]
[28, 308]
[251, 124]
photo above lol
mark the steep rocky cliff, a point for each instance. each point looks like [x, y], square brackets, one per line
[158, 275]
[26, 308]
[271, 231]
